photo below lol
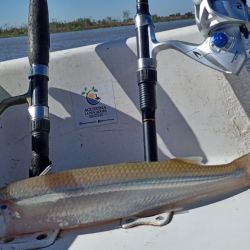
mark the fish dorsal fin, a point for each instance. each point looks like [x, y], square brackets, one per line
[192, 159]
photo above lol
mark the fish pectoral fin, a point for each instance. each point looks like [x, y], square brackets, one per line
[192, 159]
[156, 220]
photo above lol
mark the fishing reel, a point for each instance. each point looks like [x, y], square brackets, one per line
[224, 25]
[210, 15]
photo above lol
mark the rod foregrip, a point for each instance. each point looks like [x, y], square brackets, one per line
[38, 30]
[147, 79]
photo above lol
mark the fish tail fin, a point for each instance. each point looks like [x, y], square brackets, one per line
[244, 163]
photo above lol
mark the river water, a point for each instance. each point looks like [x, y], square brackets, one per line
[17, 47]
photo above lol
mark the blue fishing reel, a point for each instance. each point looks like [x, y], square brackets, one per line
[224, 25]
[211, 15]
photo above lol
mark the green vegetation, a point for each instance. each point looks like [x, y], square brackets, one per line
[172, 17]
[13, 31]
[88, 23]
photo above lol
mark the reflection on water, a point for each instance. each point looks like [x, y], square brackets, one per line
[17, 47]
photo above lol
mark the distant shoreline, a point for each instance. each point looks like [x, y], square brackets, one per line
[88, 24]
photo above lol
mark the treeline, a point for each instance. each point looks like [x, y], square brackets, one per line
[89, 23]
[13, 31]
[172, 17]
[86, 23]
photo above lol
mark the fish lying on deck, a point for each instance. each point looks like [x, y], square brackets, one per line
[96, 195]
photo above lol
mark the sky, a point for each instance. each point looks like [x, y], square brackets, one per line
[15, 12]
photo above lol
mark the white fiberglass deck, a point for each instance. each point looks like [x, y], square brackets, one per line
[201, 112]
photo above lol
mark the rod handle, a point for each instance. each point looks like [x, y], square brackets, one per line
[38, 31]
[142, 7]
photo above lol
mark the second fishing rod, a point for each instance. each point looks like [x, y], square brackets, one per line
[39, 43]
[37, 94]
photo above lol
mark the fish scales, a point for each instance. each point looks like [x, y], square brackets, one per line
[95, 195]
[108, 174]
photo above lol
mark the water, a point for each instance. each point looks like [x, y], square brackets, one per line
[17, 47]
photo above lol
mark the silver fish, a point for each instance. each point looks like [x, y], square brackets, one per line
[97, 195]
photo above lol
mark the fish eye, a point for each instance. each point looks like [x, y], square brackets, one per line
[3, 207]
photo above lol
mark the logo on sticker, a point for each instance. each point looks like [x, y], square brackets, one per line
[91, 96]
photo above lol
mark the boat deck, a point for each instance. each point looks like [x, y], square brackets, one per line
[201, 112]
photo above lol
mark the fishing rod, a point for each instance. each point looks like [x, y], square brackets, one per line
[146, 79]
[39, 44]
[37, 95]
[224, 25]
